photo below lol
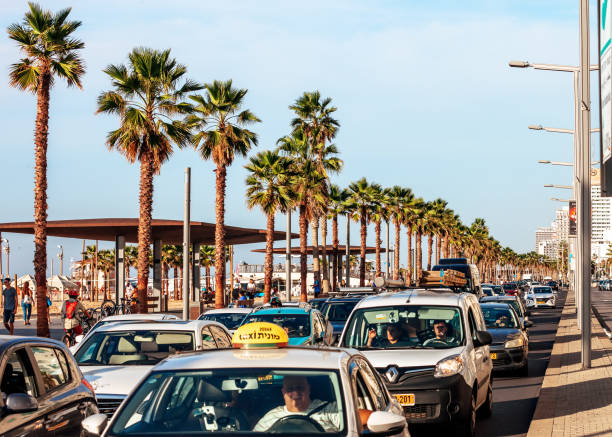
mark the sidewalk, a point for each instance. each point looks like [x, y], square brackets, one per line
[575, 402]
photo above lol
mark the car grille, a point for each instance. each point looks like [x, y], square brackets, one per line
[408, 373]
[422, 411]
[108, 405]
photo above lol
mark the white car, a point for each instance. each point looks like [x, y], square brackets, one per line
[432, 347]
[231, 318]
[262, 391]
[115, 357]
[540, 296]
[124, 318]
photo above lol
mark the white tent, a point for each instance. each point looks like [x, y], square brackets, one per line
[61, 283]
[26, 278]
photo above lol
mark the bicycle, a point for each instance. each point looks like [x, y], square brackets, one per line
[110, 308]
[85, 322]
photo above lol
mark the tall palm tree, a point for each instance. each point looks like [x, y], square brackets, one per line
[416, 218]
[221, 134]
[363, 196]
[174, 256]
[130, 258]
[148, 96]
[434, 225]
[398, 198]
[337, 199]
[268, 186]
[50, 52]
[314, 119]
[379, 213]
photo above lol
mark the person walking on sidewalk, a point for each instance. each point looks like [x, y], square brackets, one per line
[26, 302]
[9, 303]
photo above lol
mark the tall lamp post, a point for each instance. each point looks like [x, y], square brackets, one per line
[7, 249]
[60, 256]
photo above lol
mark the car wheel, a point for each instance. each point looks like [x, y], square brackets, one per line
[466, 427]
[486, 409]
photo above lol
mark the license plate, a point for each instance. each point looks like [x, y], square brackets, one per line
[493, 356]
[405, 400]
[542, 301]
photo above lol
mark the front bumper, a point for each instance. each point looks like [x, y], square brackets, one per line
[508, 359]
[436, 400]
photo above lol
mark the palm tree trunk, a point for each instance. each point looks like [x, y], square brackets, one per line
[208, 279]
[396, 252]
[438, 247]
[165, 276]
[378, 243]
[314, 226]
[409, 249]
[446, 246]
[335, 244]
[324, 266]
[40, 201]
[180, 283]
[268, 262]
[220, 237]
[303, 237]
[419, 256]
[362, 252]
[429, 250]
[144, 229]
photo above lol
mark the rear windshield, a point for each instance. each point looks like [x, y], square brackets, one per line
[509, 286]
[229, 320]
[295, 325]
[338, 311]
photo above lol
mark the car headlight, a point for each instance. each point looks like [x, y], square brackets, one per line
[449, 366]
[515, 342]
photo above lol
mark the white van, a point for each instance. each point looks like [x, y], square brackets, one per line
[432, 349]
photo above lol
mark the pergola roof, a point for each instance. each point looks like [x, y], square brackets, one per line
[295, 250]
[168, 231]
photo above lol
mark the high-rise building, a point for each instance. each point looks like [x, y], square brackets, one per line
[546, 242]
[601, 213]
[561, 224]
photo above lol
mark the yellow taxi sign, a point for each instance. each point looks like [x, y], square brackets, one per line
[258, 335]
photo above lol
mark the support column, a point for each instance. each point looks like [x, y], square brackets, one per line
[119, 268]
[157, 291]
[195, 269]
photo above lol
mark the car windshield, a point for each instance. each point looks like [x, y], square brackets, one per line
[509, 286]
[487, 291]
[406, 326]
[296, 325]
[293, 401]
[499, 317]
[542, 290]
[229, 320]
[338, 311]
[125, 348]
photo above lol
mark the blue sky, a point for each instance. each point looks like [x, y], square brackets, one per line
[424, 93]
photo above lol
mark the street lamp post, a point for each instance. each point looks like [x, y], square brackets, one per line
[60, 256]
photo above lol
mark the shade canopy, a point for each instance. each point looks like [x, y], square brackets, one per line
[168, 231]
[62, 283]
[354, 250]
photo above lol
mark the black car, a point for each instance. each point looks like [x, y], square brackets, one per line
[553, 285]
[337, 311]
[510, 345]
[517, 305]
[43, 390]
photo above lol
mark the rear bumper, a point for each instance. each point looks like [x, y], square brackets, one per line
[436, 400]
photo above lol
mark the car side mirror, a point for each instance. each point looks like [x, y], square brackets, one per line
[95, 423]
[483, 338]
[383, 424]
[20, 403]
[527, 324]
[78, 338]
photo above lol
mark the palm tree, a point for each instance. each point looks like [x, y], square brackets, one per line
[337, 199]
[174, 256]
[221, 134]
[268, 187]
[398, 198]
[207, 259]
[363, 196]
[50, 52]
[416, 218]
[434, 225]
[130, 258]
[147, 96]
[379, 213]
[314, 119]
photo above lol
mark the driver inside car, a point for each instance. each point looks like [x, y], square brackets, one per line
[296, 395]
[440, 329]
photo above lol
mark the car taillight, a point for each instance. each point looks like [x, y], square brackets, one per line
[88, 385]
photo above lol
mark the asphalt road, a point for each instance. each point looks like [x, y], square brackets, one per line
[515, 398]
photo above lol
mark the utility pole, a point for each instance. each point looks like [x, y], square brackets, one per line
[348, 250]
[584, 179]
[186, 243]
